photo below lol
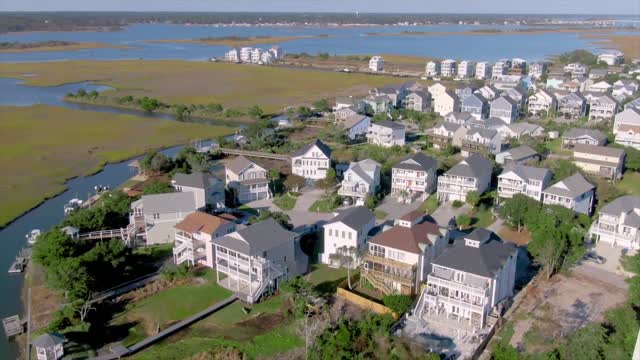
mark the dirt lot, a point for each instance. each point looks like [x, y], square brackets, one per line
[554, 308]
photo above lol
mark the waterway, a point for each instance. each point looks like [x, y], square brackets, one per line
[340, 41]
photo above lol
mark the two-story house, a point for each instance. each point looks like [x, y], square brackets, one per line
[575, 136]
[574, 193]
[256, 260]
[386, 134]
[460, 118]
[432, 68]
[618, 223]
[379, 104]
[348, 228]
[247, 180]
[611, 57]
[398, 259]
[376, 64]
[444, 133]
[576, 70]
[481, 141]
[541, 103]
[572, 105]
[463, 91]
[345, 112]
[476, 105]
[521, 179]
[417, 101]
[312, 161]
[520, 129]
[414, 177]
[469, 279]
[603, 107]
[446, 102]
[537, 69]
[153, 217]
[626, 127]
[518, 95]
[471, 174]
[520, 155]
[436, 89]
[361, 179]
[601, 161]
[194, 235]
[205, 187]
[504, 108]
[356, 126]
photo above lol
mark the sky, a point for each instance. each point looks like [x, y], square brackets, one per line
[628, 7]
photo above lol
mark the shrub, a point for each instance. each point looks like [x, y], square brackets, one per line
[457, 204]
[398, 303]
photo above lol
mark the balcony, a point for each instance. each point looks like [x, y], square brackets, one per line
[454, 180]
[440, 299]
[352, 190]
[452, 286]
[439, 139]
[409, 282]
[599, 228]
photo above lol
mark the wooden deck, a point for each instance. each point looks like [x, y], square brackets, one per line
[256, 154]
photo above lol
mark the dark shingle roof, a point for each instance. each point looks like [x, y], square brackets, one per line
[322, 146]
[257, 238]
[407, 239]
[355, 217]
[570, 187]
[197, 180]
[521, 152]
[48, 340]
[483, 261]
[389, 124]
[578, 132]
[622, 204]
[474, 166]
[239, 164]
[416, 162]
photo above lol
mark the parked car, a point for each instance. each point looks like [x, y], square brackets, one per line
[592, 256]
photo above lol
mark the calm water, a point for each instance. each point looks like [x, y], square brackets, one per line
[341, 41]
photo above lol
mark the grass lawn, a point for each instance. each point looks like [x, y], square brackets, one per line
[326, 279]
[43, 146]
[630, 183]
[322, 205]
[380, 215]
[430, 205]
[285, 202]
[189, 82]
[247, 208]
[482, 218]
[555, 146]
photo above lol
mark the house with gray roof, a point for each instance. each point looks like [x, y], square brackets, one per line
[603, 107]
[475, 104]
[153, 217]
[575, 136]
[470, 174]
[256, 260]
[574, 193]
[469, 279]
[626, 127]
[348, 229]
[460, 118]
[481, 141]
[464, 91]
[520, 129]
[419, 100]
[414, 177]
[444, 134]
[489, 92]
[541, 103]
[504, 108]
[526, 180]
[602, 161]
[386, 133]
[313, 160]
[633, 104]
[356, 126]
[206, 188]
[49, 346]
[520, 155]
[360, 180]
[518, 95]
[572, 105]
[618, 223]
[379, 104]
[247, 180]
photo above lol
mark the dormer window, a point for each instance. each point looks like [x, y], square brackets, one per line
[472, 243]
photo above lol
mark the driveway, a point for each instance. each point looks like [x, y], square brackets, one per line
[300, 215]
[611, 271]
[445, 212]
[395, 209]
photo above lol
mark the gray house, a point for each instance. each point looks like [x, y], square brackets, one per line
[520, 155]
[205, 187]
[504, 108]
[417, 101]
[518, 95]
[575, 136]
[477, 105]
[464, 91]
[153, 217]
[572, 105]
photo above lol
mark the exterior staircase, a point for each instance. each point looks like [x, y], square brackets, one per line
[384, 288]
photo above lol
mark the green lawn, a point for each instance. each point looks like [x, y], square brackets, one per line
[430, 205]
[555, 146]
[326, 279]
[380, 215]
[482, 218]
[322, 205]
[248, 209]
[630, 183]
[285, 202]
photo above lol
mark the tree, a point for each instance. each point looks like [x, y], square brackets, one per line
[157, 188]
[160, 162]
[282, 218]
[182, 112]
[255, 111]
[400, 304]
[322, 106]
[463, 221]
[586, 343]
[214, 108]
[273, 176]
[473, 198]
[345, 256]
[304, 112]
[514, 211]
[294, 182]
[505, 352]
[371, 201]
[52, 247]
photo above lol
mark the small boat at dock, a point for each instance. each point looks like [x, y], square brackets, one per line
[21, 262]
[33, 236]
[72, 205]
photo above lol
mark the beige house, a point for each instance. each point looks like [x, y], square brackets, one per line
[446, 102]
[247, 179]
[193, 236]
[626, 127]
[153, 217]
[602, 161]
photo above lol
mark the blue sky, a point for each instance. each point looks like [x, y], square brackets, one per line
[631, 7]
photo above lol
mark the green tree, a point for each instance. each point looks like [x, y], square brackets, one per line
[214, 108]
[157, 188]
[182, 112]
[400, 304]
[371, 201]
[473, 198]
[515, 210]
[255, 111]
[322, 106]
[273, 176]
[304, 112]
[345, 256]
[282, 218]
[294, 182]
[463, 221]
[52, 247]
[505, 352]
[586, 343]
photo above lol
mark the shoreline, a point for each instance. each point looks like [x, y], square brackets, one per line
[69, 47]
[222, 41]
[484, 32]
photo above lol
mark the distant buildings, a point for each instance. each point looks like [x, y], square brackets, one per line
[448, 68]
[611, 57]
[432, 69]
[483, 70]
[466, 69]
[251, 55]
[376, 64]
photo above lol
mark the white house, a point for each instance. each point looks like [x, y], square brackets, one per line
[349, 228]
[626, 127]
[399, 258]
[361, 179]
[311, 161]
[448, 68]
[356, 126]
[432, 69]
[466, 69]
[256, 55]
[386, 134]
[536, 70]
[575, 136]
[414, 176]
[153, 217]
[49, 346]
[520, 129]
[600, 87]
[603, 107]
[468, 280]
[436, 89]
[446, 102]
[471, 174]
[483, 70]
[232, 55]
[376, 64]
[256, 260]
[245, 54]
[482, 141]
[611, 57]
[574, 193]
[541, 103]
[618, 223]
[247, 180]
[194, 235]
[521, 179]
[205, 187]
[443, 134]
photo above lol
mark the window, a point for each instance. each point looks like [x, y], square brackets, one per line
[343, 235]
[459, 277]
[330, 232]
[156, 216]
[349, 235]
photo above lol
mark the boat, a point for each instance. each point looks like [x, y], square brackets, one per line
[72, 205]
[18, 266]
[33, 236]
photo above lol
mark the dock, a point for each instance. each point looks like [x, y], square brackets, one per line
[21, 262]
[12, 326]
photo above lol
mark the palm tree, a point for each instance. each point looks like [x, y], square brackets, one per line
[273, 176]
[403, 194]
[345, 256]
